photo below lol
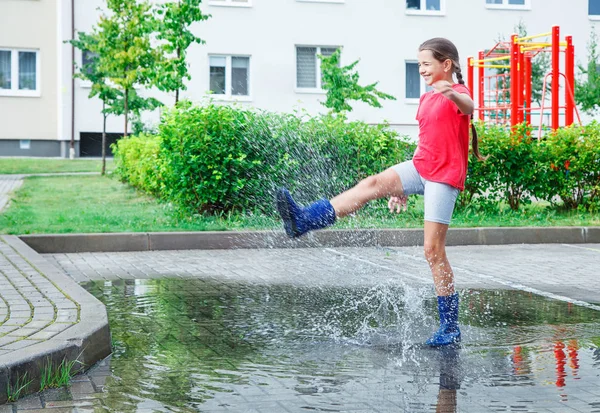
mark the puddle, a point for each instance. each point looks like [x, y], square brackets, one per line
[200, 345]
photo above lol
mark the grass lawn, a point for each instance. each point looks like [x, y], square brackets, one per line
[87, 204]
[51, 165]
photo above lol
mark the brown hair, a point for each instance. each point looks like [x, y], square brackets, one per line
[442, 50]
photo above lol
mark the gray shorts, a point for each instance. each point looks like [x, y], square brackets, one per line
[439, 198]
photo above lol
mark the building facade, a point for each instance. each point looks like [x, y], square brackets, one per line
[261, 53]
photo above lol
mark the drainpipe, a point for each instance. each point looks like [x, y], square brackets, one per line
[72, 148]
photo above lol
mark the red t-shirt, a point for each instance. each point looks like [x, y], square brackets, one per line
[443, 151]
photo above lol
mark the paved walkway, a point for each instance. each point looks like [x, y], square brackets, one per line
[44, 317]
[32, 308]
[564, 271]
[8, 184]
[567, 272]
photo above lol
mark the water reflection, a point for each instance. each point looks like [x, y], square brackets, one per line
[199, 345]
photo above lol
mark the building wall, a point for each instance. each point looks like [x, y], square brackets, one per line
[380, 33]
[31, 24]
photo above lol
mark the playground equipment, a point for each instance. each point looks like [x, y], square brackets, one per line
[505, 98]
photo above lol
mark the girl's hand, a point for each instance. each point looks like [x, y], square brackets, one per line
[398, 203]
[444, 87]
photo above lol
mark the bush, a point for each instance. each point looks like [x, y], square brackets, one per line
[570, 161]
[137, 162]
[220, 158]
[509, 174]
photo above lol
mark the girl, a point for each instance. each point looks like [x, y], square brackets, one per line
[437, 171]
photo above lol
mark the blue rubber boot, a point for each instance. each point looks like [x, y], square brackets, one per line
[449, 333]
[299, 220]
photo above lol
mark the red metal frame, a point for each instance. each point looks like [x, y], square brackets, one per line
[519, 63]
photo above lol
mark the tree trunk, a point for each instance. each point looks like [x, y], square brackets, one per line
[103, 140]
[126, 111]
[177, 91]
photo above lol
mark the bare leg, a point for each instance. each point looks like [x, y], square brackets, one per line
[384, 184]
[446, 402]
[435, 253]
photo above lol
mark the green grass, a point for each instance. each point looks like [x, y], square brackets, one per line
[55, 376]
[13, 392]
[50, 165]
[88, 204]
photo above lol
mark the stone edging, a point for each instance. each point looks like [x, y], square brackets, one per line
[119, 242]
[87, 340]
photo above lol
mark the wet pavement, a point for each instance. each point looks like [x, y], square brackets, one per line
[338, 330]
[341, 330]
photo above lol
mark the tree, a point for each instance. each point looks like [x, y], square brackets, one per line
[125, 52]
[587, 90]
[173, 31]
[341, 84]
[91, 73]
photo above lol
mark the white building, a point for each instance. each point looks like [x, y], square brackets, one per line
[257, 52]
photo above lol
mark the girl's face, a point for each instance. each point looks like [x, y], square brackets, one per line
[432, 69]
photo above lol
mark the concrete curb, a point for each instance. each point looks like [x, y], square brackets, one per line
[87, 341]
[120, 242]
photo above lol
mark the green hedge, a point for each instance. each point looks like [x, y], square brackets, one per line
[221, 158]
[562, 167]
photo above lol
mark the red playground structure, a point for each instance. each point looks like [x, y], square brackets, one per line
[505, 98]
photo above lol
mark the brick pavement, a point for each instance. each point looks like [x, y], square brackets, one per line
[564, 270]
[33, 309]
[45, 319]
[561, 271]
[8, 184]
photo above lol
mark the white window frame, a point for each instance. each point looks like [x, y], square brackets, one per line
[14, 62]
[230, 3]
[422, 89]
[506, 6]
[424, 11]
[228, 79]
[319, 89]
[592, 16]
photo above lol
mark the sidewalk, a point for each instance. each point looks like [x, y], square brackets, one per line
[44, 316]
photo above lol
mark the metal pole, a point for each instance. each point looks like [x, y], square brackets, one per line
[527, 70]
[470, 72]
[555, 75]
[514, 80]
[480, 71]
[570, 80]
[521, 86]
[72, 146]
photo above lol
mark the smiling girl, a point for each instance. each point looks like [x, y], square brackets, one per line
[438, 171]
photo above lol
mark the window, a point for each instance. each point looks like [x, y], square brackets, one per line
[415, 85]
[87, 59]
[231, 3]
[434, 7]
[19, 73]
[308, 65]
[508, 4]
[230, 75]
[594, 8]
